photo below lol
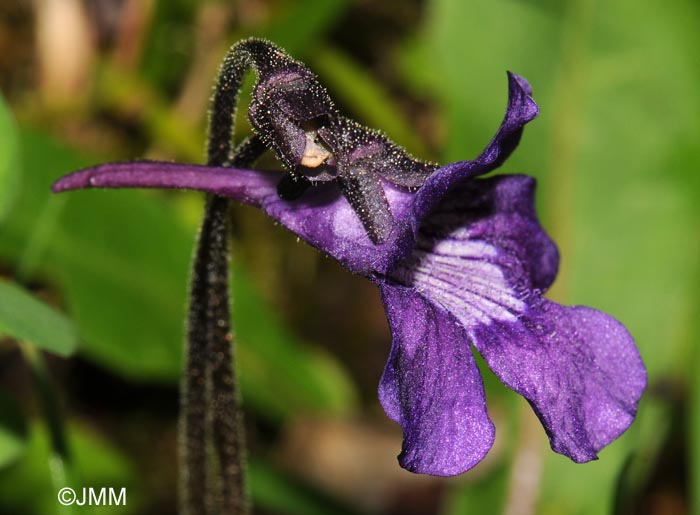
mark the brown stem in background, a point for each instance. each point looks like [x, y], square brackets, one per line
[134, 23]
[62, 29]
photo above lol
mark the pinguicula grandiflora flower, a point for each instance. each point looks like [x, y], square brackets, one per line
[458, 260]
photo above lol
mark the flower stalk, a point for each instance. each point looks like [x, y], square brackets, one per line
[212, 436]
[211, 418]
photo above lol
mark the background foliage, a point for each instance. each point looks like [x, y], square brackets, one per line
[93, 284]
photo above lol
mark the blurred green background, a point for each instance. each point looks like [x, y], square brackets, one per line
[93, 284]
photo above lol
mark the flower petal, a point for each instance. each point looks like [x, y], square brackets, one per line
[484, 238]
[432, 387]
[521, 109]
[483, 257]
[577, 367]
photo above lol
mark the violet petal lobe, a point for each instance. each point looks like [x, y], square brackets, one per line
[432, 387]
[520, 110]
[577, 367]
[483, 257]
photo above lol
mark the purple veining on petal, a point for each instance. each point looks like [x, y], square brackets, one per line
[527, 255]
[497, 214]
[432, 387]
[483, 257]
[577, 367]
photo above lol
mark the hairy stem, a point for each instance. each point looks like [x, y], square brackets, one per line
[194, 493]
[239, 59]
[211, 419]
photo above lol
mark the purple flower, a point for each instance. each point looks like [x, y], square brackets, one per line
[464, 260]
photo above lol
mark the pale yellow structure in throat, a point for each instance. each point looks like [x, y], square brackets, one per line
[314, 154]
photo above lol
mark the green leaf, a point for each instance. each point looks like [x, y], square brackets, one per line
[26, 486]
[13, 430]
[124, 261]
[9, 160]
[25, 318]
[121, 260]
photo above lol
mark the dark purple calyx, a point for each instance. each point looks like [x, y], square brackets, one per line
[293, 115]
